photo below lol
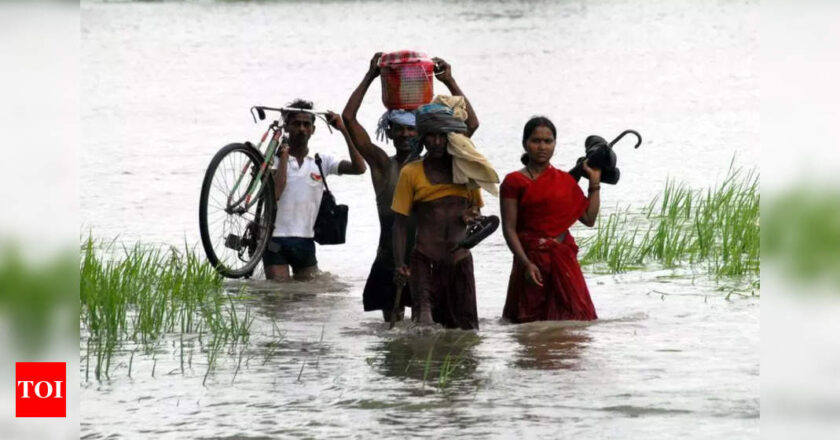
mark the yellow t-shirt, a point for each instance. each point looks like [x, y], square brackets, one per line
[413, 186]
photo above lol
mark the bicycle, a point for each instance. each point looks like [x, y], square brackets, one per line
[237, 204]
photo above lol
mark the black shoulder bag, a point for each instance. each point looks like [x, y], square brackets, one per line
[331, 223]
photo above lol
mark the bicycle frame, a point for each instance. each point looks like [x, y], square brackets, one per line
[275, 131]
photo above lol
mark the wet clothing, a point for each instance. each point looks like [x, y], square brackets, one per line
[297, 207]
[547, 207]
[564, 295]
[447, 287]
[298, 252]
[413, 186]
[380, 290]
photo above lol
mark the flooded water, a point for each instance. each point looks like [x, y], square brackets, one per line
[165, 85]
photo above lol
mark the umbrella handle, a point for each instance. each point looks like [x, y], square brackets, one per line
[624, 133]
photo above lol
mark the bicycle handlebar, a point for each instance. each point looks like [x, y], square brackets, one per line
[260, 109]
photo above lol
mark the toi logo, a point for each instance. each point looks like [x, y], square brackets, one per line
[40, 389]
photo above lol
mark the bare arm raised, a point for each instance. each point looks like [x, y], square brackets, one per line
[372, 154]
[443, 72]
[356, 164]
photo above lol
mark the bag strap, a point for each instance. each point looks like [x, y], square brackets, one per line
[321, 170]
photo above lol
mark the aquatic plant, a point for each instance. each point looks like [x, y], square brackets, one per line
[142, 293]
[454, 359]
[717, 228]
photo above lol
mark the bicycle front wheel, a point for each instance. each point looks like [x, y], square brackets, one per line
[235, 235]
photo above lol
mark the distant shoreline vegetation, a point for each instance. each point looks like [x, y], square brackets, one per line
[716, 229]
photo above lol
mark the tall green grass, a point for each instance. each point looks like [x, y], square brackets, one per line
[716, 228]
[139, 294]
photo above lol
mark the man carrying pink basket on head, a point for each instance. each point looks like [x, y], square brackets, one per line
[407, 83]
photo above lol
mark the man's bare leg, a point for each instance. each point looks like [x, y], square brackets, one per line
[278, 273]
[421, 286]
[306, 273]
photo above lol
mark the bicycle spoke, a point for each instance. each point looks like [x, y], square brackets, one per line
[221, 190]
[210, 224]
[216, 202]
[224, 186]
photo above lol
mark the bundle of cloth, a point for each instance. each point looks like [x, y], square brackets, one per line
[446, 114]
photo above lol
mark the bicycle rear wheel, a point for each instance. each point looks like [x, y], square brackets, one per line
[234, 238]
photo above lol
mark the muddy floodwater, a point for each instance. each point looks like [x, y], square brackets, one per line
[166, 84]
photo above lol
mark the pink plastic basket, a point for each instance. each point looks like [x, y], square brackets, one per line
[407, 79]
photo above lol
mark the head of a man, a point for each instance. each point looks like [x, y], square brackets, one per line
[299, 125]
[399, 126]
[401, 135]
[434, 123]
[435, 143]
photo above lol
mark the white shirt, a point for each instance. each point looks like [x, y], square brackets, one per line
[297, 207]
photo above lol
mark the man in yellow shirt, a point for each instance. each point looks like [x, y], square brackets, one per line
[399, 127]
[441, 281]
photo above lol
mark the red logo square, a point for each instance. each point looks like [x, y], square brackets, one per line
[40, 389]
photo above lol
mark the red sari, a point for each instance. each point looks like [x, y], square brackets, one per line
[547, 207]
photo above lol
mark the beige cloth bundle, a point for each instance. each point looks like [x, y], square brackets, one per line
[469, 166]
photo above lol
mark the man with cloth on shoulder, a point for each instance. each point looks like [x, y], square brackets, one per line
[441, 191]
[399, 127]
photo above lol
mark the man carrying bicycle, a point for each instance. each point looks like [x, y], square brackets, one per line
[298, 185]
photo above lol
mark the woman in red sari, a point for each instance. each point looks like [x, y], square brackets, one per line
[539, 204]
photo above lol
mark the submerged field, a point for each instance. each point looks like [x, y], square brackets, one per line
[181, 353]
[136, 299]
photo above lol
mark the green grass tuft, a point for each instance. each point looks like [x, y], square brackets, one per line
[139, 294]
[717, 228]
